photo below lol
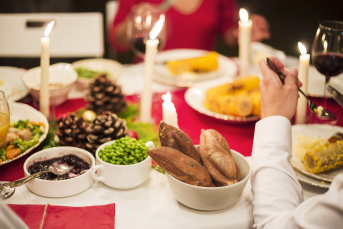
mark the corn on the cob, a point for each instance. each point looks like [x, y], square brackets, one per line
[255, 97]
[324, 158]
[200, 64]
[245, 84]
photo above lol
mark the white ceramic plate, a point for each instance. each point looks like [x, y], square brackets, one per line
[195, 97]
[316, 80]
[10, 83]
[226, 67]
[311, 181]
[113, 67]
[21, 111]
[314, 130]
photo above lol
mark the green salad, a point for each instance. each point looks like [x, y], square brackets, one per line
[21, 136]
[88, 73]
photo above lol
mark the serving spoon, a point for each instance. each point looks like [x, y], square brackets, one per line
[57, 168]
[319, 111]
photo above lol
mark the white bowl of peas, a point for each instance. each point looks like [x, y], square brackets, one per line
[123, 163]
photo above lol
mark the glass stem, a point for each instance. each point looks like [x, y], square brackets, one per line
[327, 79]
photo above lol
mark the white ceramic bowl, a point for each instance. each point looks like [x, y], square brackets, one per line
[61, 188]
[122, 176]
[60, 73]
[113, 67]
[211, 198]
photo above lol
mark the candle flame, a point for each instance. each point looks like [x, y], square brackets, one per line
[243, 15]
[302, 48]
[48, 28]
[157, 28]
[167, 97]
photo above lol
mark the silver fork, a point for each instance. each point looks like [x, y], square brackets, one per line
[319, 111]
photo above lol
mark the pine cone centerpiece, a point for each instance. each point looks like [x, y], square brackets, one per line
[72, 131]
[105, 95]
[105, 128]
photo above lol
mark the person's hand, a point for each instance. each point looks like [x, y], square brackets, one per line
[260, 28]
[276, 98]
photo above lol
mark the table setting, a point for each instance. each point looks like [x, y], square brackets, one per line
[109, 145]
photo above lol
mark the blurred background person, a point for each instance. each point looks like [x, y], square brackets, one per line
[190, 24]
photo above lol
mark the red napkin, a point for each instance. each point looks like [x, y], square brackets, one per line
[100, 216]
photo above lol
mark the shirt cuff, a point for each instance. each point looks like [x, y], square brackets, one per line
[273, 129]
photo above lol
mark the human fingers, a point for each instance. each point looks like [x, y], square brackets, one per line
[268, 74]
[292, 77]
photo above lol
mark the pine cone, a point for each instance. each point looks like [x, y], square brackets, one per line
[103, 129]
[72, 131]
[105, 95]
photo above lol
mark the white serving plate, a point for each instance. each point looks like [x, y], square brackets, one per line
[314, 130]
[226, 68]
[11, 84]
[196, 95]
[113, 67]
[21, 111]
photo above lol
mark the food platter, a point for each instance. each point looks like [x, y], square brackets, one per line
[10, 83]
[314, 130]
[21, 111]
[311, 181]
[196, 94]
[226, 68]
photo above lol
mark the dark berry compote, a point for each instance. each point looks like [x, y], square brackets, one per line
[80, 167]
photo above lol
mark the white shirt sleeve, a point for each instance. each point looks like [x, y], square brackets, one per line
[278, 201]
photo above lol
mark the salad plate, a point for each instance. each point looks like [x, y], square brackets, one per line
[226, 68]
[23, 112]
[314, 130]
[10, 83]
[195, 97]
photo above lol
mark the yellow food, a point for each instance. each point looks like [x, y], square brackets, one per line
[305, 144]
[4, 126]
[324, 158]
[197, 65]
[239, 98]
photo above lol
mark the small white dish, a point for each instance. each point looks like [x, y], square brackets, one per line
[61, 74]
[20, 111]
[195, 97]
[211, 198]
[226, 68]
[314, 130]
[112, 67]
[60, 188]
[10, 83]
[122, 176]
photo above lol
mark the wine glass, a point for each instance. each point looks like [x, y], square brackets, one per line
[327, 51]
[4, 117]
[143, 19]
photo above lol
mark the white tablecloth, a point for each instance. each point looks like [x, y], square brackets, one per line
[153, 206]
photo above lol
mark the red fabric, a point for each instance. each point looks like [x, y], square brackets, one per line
[194, 31]
[57, 217]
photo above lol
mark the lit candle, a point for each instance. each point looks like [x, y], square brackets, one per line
[169, 111]
[44, 93]
[304, 61]
[244, 42]
[149, 61]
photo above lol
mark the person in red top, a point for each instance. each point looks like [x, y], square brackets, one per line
[190, 24]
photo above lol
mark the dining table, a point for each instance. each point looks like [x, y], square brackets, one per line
[152, 204]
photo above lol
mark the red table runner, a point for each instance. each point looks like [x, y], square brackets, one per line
[239, 136]
[56, 217]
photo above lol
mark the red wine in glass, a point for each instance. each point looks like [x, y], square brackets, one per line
[138, 45]
[329, 64]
